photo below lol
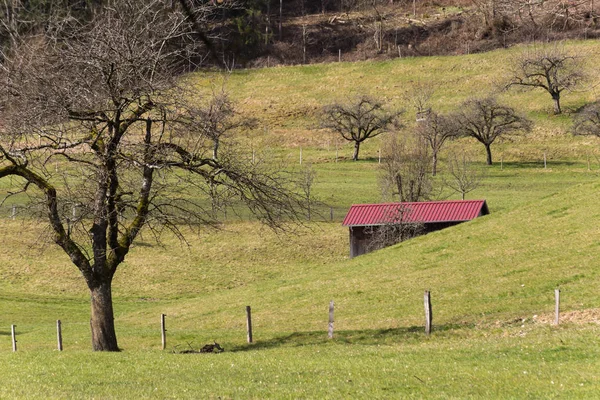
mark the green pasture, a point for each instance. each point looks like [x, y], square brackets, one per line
[492, 279]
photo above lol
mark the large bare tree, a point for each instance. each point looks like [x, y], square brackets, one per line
[551, 68]
[100, 101]
[486, 121]
[360, 119]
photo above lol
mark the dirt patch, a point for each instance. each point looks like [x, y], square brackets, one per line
[588, 316]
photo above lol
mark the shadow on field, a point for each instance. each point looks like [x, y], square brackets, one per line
[539, 164]
[357, 337]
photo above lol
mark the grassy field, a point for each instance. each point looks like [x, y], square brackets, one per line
[492, 279]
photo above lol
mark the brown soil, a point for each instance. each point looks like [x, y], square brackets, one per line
[437, 28]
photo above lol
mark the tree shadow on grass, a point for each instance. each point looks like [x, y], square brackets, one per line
[368, 337]
[538, 164]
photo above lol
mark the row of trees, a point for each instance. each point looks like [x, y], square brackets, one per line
[552, 69]
[483, 119]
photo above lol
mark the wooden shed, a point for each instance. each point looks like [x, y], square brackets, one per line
[364, 219]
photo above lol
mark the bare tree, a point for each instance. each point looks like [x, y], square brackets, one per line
[587, 122]
[398, 228]
[435, 130]
[419, 96]
[486, 120]
[217, 118]
[404, 171]
[462, 176]
[550, 68]
[306, 180]
[102, 99]
[359, 120]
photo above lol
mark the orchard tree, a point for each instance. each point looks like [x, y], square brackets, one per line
[404, 170]
[101, 99]
[462, 176]
[217, 119]
[436, 130]
[551, 68]
[587, 122]
[358, 120]
[486, 120]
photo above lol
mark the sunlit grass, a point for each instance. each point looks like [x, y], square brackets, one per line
[492, 279]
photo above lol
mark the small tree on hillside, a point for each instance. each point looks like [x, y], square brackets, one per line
[306, 180]
[552, 69]
[419, 96]
[217, 118]
[435, 130]
[359, 120]
[404, 170]
[587, 122]
[486, 120]
[462, 176]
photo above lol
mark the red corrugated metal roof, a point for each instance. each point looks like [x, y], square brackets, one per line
[423, 212]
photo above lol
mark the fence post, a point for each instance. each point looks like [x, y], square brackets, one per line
[14, 337]
[330, 330]
[14, 212]
[428, 312]
[59, 335]
[544, 160]
[300, 155]
[588, 161]
[556, 306]
[331, 213]
[163, 331]
[249, 323]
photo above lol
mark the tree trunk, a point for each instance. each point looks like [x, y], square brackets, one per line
[489, 154]
[556, 98]
[434, 166]
[104, 337]
[356, 150]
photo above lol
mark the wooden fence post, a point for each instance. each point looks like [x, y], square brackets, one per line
[428, 312]
[163, 331]
[14, 337]
[14, 212]
[59, 335]
[544, 160]
[249, 323]
[330, 330]
[556, 306]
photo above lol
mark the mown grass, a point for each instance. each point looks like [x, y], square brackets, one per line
[539, 365]
[492, 279]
